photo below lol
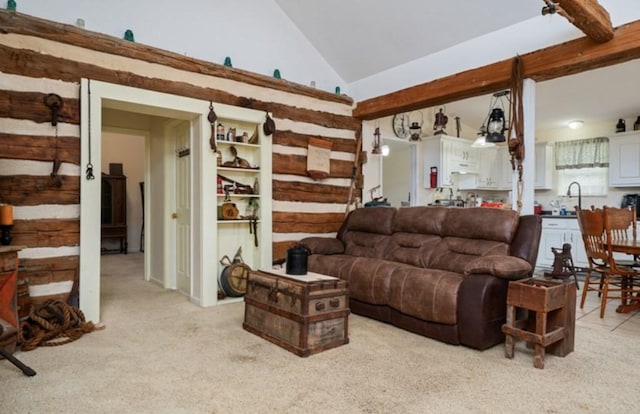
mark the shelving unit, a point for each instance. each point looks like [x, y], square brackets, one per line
[245, 171]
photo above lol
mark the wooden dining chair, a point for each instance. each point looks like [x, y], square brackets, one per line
[624, 227]
[591, 224]
[620, 224]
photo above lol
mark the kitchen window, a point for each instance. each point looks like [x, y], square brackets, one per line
[585, 161]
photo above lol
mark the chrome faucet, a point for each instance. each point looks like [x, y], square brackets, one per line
[579, 193]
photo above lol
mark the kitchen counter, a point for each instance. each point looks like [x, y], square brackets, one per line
[547, 214]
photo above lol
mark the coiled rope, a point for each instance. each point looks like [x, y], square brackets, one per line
[53, 323]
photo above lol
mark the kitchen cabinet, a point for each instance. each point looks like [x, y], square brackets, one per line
[624, 160]
[555, 233]
[450, 155]
[494, 171]
[544, 166]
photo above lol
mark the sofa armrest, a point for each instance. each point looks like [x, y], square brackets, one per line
[504, 267]
[323, 245]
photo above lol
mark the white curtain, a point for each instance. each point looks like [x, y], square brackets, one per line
[582, 153]
[585, 161]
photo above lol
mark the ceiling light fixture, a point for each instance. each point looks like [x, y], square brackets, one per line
[575, 124]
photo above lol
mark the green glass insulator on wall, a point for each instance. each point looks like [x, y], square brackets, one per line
[128, 35]
[337, 90]
[11, 5]
[276, 74]
[227, 62]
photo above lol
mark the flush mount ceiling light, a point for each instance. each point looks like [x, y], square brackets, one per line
[576, 124]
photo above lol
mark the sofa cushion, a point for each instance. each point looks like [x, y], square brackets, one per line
[323, 245]
[361, 244]
[370, 279]
[427, 294]
[421, 219]
[336, 265]
[377, 220]
[505, 267]
[481, 223]
[455, 253]
[411, 248]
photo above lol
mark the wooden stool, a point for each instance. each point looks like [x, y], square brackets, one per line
[550, 325]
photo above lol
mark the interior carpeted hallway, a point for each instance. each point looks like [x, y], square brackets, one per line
[161, 354]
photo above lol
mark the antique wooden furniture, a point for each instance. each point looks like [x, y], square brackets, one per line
[618, 223]
[303, 314]
[616, 281]
[550, 325]
[563, 266]
[114, 210]
[8, 306]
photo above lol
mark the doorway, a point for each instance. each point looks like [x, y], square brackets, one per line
[185, 120]
[399, 178]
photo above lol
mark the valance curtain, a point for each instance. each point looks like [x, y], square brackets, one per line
[582, 153]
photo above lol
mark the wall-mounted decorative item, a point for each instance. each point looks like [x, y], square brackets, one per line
[440, 122]
[401, 125]
[269, 126]
[337, 90]
[227, 62]
[621, 126]
[11, 5]
[318, 158]
[276, 74]
[378, 148]
[415, 128]
[212, 117]
[128, 35]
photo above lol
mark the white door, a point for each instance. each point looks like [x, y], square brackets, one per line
[183, 208]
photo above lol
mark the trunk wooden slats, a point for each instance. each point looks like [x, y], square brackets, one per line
[302, 317]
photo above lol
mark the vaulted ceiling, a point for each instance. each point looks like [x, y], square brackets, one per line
[359, 38]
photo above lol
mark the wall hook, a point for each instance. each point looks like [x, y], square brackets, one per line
[54, 102]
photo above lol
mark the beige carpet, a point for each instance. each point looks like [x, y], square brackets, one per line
[161, 354]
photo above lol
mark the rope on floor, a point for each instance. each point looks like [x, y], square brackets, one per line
[53, 323]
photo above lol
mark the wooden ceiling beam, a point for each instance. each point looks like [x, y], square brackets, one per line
[588, 16]
[565, 59]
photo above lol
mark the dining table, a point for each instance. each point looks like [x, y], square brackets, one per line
[631, 247]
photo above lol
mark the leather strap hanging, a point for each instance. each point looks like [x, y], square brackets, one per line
[516, 139]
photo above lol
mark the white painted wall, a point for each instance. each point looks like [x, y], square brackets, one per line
[256, 34]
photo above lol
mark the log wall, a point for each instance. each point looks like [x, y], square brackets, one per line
[38, 57]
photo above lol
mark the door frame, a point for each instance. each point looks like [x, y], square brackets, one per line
[95, 95]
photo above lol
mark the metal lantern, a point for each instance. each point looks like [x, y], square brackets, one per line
[415, 130]
[496, 126]
[377, 149]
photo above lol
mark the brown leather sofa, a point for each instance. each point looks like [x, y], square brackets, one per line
[436, 271]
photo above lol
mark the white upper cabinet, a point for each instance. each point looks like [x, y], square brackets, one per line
[450, 155]
[624, 160]
[544, 166]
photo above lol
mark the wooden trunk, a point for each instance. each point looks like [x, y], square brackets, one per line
[303, 314]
